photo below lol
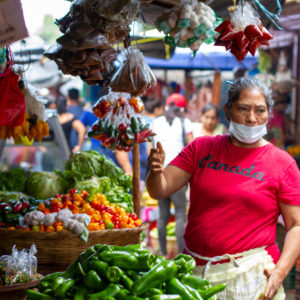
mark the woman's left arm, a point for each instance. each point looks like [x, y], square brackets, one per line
[290, 252]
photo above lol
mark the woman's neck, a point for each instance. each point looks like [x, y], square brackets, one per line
[260, 143]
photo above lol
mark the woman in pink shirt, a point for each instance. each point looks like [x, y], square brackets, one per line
[239, 184]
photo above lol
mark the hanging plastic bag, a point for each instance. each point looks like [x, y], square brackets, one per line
[120, 123]
[12, 101]
[188, 25]
[134, 75]
[19, 267]
[243, 32]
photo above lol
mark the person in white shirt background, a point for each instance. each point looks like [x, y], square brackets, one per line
[173, 131]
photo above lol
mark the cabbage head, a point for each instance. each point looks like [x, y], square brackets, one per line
[94, 185]
[43, 185]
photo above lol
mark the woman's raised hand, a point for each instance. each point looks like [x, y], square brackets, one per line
[156, 159]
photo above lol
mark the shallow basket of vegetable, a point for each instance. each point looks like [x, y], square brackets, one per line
[57, 250]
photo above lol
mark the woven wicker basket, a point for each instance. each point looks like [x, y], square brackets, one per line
[57, 250]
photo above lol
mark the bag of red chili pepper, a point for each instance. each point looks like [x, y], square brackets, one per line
[19, 267]
[120, 122]
[243, 32]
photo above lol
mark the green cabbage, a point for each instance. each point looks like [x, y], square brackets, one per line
[85, 164]
[94, 185]
[43, 185]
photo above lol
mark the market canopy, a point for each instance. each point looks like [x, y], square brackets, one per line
[208, 57]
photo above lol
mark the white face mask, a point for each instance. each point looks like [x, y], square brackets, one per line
[247, 134]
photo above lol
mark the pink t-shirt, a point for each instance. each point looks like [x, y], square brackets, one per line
[235, 194]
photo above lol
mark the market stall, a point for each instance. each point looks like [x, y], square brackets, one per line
[85, 219]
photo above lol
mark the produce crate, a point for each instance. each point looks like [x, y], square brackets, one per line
[172, 249]
[57, 250]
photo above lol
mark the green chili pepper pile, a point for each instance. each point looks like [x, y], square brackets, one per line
[131, 272]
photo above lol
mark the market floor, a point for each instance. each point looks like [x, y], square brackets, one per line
[290, 294]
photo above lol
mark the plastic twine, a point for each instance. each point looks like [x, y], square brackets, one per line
[271, 16]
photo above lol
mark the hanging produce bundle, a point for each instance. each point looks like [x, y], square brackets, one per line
[126, 272]
[120, 123]
[12, 101]
[22, 111]
[243, 32]
[188, 25]
[134, 75]
[89, 28]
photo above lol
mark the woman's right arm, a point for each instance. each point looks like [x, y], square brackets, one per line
[160, 182]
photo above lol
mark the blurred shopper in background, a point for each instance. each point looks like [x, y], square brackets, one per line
[173, 131]
[69, 121]
[74, 103]
[209, 124]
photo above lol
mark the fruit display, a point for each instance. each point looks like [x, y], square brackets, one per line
[120, 123]
[188, 25]
[128, 272]
[66, 211]
[294, 150]
[243, 33]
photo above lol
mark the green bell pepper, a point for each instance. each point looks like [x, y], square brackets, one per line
[110, 291]
[64, 287]
[33, 295]
[81, 294]
[185, 263]
[129, 260]
[72, 270]
[92, 281]
[114, 274]
[194, 281]
[47, 281]
[160, 273]
[100, 267]
[166, 297]
[206, 294]
[174, 286]
[126, 282]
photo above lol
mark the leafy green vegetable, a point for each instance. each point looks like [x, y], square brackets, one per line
[85, 164]
[94, 185]
[43, 185]
[118, 196]
[13, 180]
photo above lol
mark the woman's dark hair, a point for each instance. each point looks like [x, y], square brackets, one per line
[61, 105]
[247, 83]
[210, 106]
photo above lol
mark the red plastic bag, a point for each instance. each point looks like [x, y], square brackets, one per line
[12, 100]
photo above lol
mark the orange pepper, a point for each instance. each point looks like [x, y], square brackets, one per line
[41, 206]
[75, 210]
[57, 224]
[27, 229]
[102, 227]
[50, 228]
[42, 227]
[59, 228]
[11, 228]
[46, 211]
[123, 225]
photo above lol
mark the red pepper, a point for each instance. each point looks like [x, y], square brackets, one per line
[17, 207]
[240, 55]
[228, 45]
[122, 127]
[95, 127]
[263, 41]
[252, 47]
[224, 25]
[218, 42]
[266, 34]
[228, 35]
[253, 32]
[3, 205]
[241, 41]
[25, 205]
